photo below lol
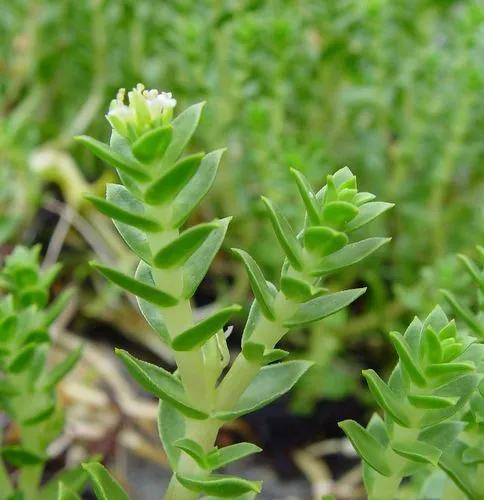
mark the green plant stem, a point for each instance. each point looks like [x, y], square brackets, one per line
[29, 481]
[386, 488]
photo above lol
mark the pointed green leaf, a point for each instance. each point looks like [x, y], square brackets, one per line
[476, 274]
[197, 265]
[431, 402]
[473, 456]
[261, 289]
[339, 212]
[285, 235]
[105, 486]
[349, 255]
[8, 328]
[146, 292]
[122, 163]
[178, 251]
[134, 238]
[362, 198]
[52, 312]
[75, 477]
[452, 369]
[194, 191]
[161, 383]
[204, 330]
[219, 486]
[323, 306]
[253, 351]
[417, 451]
[66, 493]
[367, 447]
[323, 240]
[367, 213]
[295, 289]
[463, 476]
[151, 312]
[224, 456]
[112, 210]
[22, 358]
[21, 457]
[166, 188]
[407, 360]
[430, 348]
[171, 428]
[152, 144]
[464, 314]
[386, 398]
[184, 125]
[308, 196]
[271, 355]
[270, 383]
[194, 450]
[60, 370]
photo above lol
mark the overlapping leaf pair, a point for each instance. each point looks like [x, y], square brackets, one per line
[158, 192]
[27, 385]
[433, 408]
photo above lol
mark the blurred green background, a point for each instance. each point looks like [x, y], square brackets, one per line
[393, 89]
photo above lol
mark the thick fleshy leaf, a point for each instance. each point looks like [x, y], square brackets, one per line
[337, 213]
[260, 288]
[253, 351]
[141, 290]
[417, 451]
[194, 450]
[473, 456]
[449, 370]
[161, 383]
[22, 359]
[323, 306]
[474, 272]
[219, 486]
[270, 383]
[75, 477]
[152, 144]
[57, 307]
[121, 162]
[462, 475]
[114, 211]
[386, 398]
[406, 359]
[105, 486]
[195, 190]
[430, 347]
[184, 125]
[431, 402]
[20, 457]
[464, 314]
[134, 238]
[295, 289]
[178, 251]
[151, 312]
[60, 370]
[171, 428]
[197, 265]
[323, 240]
[367, 213]
[349, 255]
[362, 198]
[369, 449]
[66, 493]
[308, 196]
[166, 188]
[285, 235]
[442, 434]
[204, 330]
[224, 456]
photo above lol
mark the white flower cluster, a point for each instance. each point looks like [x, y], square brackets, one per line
[145, 109]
